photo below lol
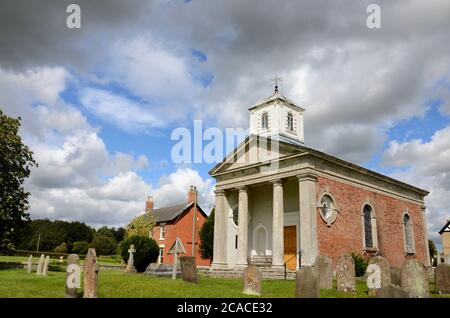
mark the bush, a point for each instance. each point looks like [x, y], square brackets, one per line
[207, 237]
[80, 247]
[147, 251]
[104, 245]
[360, 265]
[61, 248]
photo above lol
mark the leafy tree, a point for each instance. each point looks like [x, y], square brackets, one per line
[80, 248]
[119, 234]
[61, 248]
[432, 249]
[360, 264]
[104, 245]
[16, 161]
[147, 251]
[207, 237]
[106, 231]
[141, 225]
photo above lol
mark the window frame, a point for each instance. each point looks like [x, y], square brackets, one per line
[330, 219]
[290, 122]
[265, 120]
[374, 231]
[412, 250]
[162, 231]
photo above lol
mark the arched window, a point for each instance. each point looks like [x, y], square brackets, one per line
[265, 121]
[290, 122]
[368, 237]
[408, 233]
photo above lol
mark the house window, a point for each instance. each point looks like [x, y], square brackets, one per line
[408, 233]
[161, 255]
[162, 232]
[265, 121]
[290, 122]
[368, 237]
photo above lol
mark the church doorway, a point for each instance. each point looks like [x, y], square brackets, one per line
[290, 247]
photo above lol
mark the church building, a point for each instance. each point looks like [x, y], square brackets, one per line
[280, 202]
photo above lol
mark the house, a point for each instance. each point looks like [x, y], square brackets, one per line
[445, 237]
[178, 221]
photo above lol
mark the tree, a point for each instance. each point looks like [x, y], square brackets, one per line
[207, 237]
[61, 248]
[104, 245]
[432, 249]
[147, 251]
[141, 225]
[16, 161]
[80, 248]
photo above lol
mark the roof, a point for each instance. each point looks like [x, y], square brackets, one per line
[170, 213]
[275, 96]
[446, 227]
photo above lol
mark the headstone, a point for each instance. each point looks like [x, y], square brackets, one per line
[45, 267]
[324, 269]
[307, 285]
[252, 280]
[345, 274]
[90, 274]
[442, 277]
[447, 259]
[176, 249]
[188, 269]
[396, 276]
[30, 264]
[415, 279]
[391, 291]
[73, 278]
[40, 265]
[130, 263]
[378, 274]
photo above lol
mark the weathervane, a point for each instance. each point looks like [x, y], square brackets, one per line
[276, 80]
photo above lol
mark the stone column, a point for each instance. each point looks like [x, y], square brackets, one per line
[278, 226]
[308, 218]
[220, 231]
[425, 236]
[242, 228]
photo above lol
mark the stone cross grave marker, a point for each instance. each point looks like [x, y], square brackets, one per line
[130, 263]
[345, 274]
[415, 279]
[324, 268]
[90, 274]
[73, 278]
[45, 267]
[30, 264]
[378, 274]
[252, 280]
[442, 278]
[307, 284]
[40, 265]
[188, 269]
[176, 248]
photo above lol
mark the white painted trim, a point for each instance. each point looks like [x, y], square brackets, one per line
[332, 218]
[255, 243]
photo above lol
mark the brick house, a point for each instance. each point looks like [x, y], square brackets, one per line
[445, 237]
[177, 221]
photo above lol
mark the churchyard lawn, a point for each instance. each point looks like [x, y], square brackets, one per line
[113, 283]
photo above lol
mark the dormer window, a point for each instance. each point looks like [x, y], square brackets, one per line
[290, 122]
[264, 121]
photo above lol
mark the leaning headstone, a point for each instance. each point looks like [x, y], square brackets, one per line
[30, 264]
[378, 274]
[130, 263]
[415, 279]
[40, 265]
[45, 267]
[324, 269]
[396, 276]
[90, 274]
[307, 285]
[442, 277]
[73, 278]
[391, 291]
[345, 274]
[252, 280]
[188, 269]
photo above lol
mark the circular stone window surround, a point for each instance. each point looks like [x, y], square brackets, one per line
[330, 218]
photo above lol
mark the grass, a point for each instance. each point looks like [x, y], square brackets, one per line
[106, 260]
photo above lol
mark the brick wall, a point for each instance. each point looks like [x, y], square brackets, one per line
[446, 243]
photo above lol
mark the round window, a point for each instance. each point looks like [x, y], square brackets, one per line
[327, 209]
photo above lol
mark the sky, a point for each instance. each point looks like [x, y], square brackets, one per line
[99, 104]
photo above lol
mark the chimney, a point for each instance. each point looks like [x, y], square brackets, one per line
[192, 194]
[149, 204]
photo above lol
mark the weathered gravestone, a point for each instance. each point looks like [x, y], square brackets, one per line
[307, 285]
[378, 274]
[30, 264]
[396, 276]
[188, 269]
[130, 264]
[345, 274]
[40, 265]
[45, 266]
[324, 269]
[442, 278]
[391, 291]
[447, 259]
[90, 274]
[73, 278]
[252, 280]
[415, 279]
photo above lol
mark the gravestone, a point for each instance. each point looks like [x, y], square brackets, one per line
[307, 285]
[130, 263]
[447, 259]
[252, 280]
[378, 274]
[396, 276]
[391, 291]
[415, 279]
[90, 274]
[73, 278]
[30, 264]
[40, 265]
[324, 269]
[442, 278]
[45, 267]
[345, 274]
[188, 269]
[176, 249]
